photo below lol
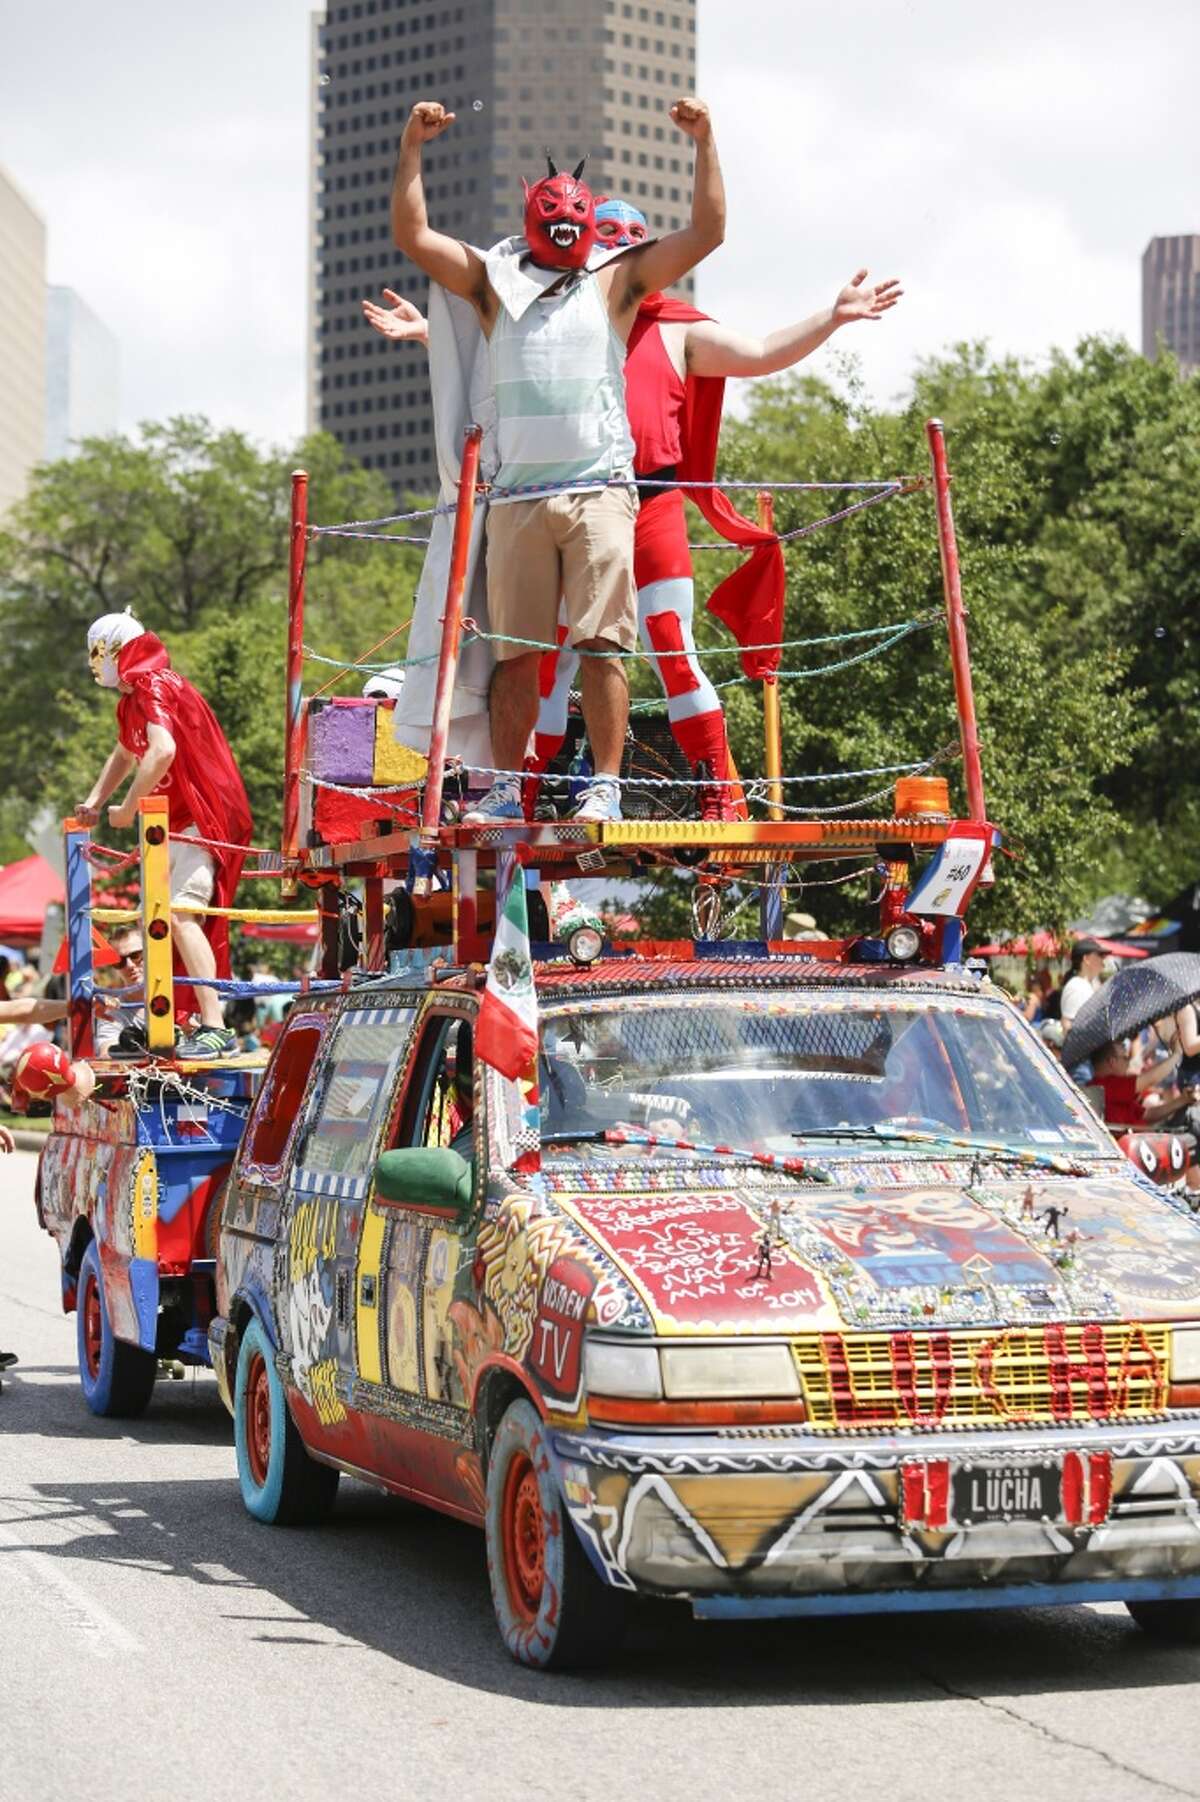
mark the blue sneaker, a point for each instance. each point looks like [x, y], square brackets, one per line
[501, 804]
[599, 800]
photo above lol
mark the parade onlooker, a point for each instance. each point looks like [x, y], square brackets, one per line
[1133, 1098]
[1087, 966]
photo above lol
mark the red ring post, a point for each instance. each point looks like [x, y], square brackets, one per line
[439, 732]
[956, 623]
[293, 744]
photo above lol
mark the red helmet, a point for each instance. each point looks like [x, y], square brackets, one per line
[42, 1071]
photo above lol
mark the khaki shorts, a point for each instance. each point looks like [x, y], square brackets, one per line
[192, 874]
[578, 547]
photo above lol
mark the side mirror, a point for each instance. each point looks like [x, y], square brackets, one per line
[438, 1181]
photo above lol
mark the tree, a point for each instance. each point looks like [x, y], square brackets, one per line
[187, 527]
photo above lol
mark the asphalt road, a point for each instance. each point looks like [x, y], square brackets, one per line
[157, 1642]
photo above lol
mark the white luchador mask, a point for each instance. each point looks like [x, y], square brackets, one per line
[105, 638]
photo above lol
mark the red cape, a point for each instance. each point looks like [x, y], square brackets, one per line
[750, 600]
[204, 786]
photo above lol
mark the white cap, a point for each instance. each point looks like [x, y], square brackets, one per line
[385, 684]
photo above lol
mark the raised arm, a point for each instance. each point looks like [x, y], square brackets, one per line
[713, 349]
[666, 260]
[455, 265]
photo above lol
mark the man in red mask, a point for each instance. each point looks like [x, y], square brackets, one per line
[562, 505]
[169, 740]
[675, 373]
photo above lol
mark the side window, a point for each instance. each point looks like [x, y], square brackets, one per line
[279, 1104]
[356, 1092]
[440, 1104]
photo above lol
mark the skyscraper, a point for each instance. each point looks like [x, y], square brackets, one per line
[22, 340]
[82, 374]
[1171, 297]
[576, 76]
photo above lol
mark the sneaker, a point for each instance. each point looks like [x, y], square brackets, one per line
[7, 1360]
[209, 1042]
[501, 804]
[714, 800]
[599, 800]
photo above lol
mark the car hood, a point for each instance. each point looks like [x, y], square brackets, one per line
[914, 1254]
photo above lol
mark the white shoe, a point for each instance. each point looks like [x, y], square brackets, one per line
[500, 806]
[600, 800]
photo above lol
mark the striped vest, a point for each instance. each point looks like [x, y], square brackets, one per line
[559, 377]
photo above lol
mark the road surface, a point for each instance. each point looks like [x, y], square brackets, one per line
[157, 1642]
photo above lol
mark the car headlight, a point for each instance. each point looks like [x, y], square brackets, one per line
[1185, 1355]
[717, 1372]
[615, 1368]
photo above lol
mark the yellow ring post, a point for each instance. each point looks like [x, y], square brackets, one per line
[154, 839]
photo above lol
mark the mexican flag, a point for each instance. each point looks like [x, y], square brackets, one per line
[506, 1036]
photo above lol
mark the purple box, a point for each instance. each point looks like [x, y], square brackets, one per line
[341, 740]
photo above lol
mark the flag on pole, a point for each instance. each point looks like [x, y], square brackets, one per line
[506, 1036]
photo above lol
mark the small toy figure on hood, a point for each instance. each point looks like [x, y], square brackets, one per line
[168, 734]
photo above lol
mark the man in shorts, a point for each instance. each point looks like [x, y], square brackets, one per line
[557, 333]
[169, 741]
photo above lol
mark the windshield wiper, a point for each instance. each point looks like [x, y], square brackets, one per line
[978, 1148]
[765, 1160]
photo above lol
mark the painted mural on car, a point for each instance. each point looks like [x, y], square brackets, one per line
[913, 1366]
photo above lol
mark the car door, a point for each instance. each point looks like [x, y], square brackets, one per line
[327, 1321]
[423, 1259]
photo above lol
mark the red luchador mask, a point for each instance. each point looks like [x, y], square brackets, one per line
[560, 219]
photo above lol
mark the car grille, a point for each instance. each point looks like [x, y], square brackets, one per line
[1051, 1372]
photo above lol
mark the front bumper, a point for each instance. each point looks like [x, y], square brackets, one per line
[766, 1520]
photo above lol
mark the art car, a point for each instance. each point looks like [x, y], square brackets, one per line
[796, 1288]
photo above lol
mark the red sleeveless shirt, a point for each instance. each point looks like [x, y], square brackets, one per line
[654, 399]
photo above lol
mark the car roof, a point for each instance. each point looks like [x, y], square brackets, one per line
[615, 976]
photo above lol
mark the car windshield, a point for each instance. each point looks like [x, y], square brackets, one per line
[760, 1070]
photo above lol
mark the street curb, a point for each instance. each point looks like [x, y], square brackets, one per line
[29, 1141]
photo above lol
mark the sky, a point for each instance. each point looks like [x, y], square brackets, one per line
[1009, 163]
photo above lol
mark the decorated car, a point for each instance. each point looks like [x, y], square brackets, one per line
[128, 1186]
[796, 1287]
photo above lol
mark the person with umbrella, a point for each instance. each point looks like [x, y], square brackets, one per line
[1087, 969]
[1133, 1000]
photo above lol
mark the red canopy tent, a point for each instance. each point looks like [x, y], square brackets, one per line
[1044, 944]
[27, 888]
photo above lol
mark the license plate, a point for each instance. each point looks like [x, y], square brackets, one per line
[1000, 1492]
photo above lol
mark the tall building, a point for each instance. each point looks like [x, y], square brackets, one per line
[1171, 297]
[22, 340]
[82, 374]
[576, 76]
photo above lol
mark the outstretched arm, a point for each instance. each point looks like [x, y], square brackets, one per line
[116, 768]
[32, 1010]
[713, 349]
[401, 322]
[455, 265]
[666, 260]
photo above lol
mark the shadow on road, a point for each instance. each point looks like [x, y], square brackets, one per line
[187, 1411]
[412, 1585]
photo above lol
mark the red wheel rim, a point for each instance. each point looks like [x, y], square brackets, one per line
[524, 1537]
[93, 1326]
[258, 1419]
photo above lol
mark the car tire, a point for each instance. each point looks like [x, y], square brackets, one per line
[1178, 1622]
[552, 1609]
[117, 1378]
[280, 1483]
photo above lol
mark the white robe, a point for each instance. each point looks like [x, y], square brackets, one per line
[460, 382]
